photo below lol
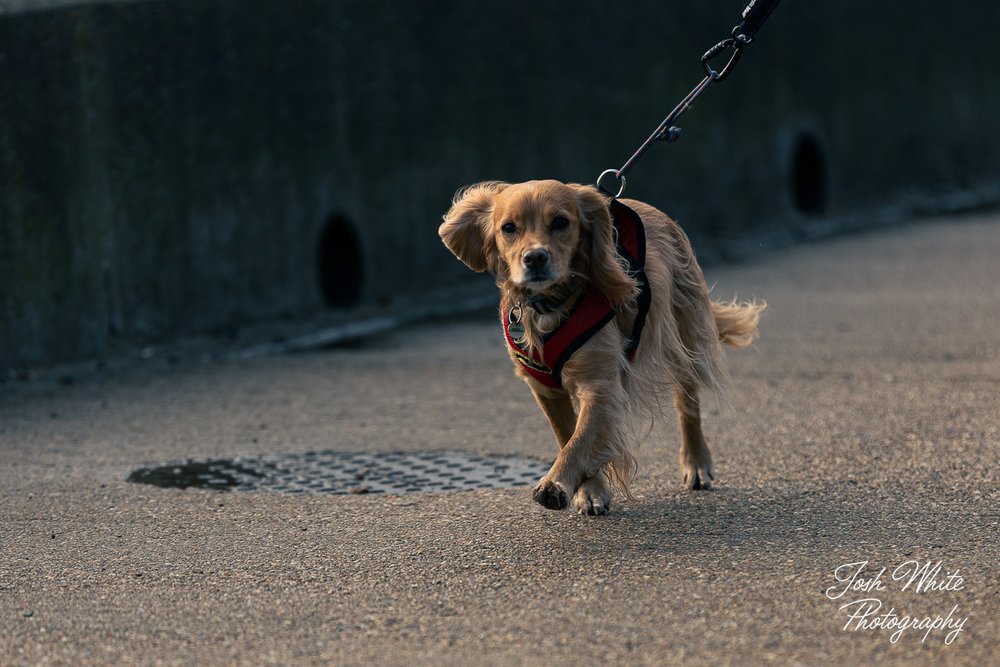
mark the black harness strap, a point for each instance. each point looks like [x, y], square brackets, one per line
[632, 246]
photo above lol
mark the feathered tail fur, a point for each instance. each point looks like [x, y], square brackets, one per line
[737, 322]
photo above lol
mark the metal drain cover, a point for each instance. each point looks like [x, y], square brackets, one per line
[345, 472]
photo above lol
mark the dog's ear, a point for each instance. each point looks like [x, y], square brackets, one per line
[467, 226]
[606, 268]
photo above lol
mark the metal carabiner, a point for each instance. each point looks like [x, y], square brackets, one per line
[729, 43]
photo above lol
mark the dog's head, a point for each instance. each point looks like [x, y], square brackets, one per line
[537, 236]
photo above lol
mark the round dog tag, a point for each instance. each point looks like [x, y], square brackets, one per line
[516, 330]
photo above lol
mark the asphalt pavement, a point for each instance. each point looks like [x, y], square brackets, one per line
[855, 520]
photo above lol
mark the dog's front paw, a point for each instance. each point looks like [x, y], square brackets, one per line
[593, 497]
[698, 477]
[551, 495]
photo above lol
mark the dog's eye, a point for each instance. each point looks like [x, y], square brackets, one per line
[559, 223]
[508, 228]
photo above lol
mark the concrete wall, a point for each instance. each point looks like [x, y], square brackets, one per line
[170, 167]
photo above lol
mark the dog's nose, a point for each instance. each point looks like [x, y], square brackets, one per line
[535, 259]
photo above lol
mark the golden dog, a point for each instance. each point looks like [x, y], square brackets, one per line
[552, 248]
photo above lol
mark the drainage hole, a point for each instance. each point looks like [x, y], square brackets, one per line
[809, 175]
[340, 263]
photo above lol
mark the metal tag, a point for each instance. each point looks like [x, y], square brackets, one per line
[516, 330]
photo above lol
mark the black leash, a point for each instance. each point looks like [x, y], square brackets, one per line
[753, 17]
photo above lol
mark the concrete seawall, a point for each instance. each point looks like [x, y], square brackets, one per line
[180, 166]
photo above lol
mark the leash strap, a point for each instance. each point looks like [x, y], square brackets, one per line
[753, 17]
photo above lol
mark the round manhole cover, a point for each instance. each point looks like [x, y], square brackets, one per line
[345, 472]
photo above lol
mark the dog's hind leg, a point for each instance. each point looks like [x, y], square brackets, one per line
[695, 459]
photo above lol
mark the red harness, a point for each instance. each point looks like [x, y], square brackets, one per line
[591, 311]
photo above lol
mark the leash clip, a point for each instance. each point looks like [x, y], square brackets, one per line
[733, 43]
[753, 15]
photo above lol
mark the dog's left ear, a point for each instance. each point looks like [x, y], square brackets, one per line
[467, 226]
[607, 269]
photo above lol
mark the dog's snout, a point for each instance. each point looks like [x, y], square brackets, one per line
[535, 258]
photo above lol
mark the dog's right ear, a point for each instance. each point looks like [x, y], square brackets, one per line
[466, 230]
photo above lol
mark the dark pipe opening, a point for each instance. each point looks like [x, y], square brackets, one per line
[808, 175]
[340, 263]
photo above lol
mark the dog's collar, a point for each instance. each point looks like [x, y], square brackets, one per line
[550, 301]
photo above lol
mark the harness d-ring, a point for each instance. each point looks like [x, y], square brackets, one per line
[620, 177]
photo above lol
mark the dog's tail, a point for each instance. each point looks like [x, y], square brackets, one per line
[737, 322]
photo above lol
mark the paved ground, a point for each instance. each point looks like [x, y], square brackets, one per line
[864, 427]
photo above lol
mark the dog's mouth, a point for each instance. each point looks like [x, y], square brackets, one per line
[537, 279]
[554, 298]
[537, 284]
[544, 292]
